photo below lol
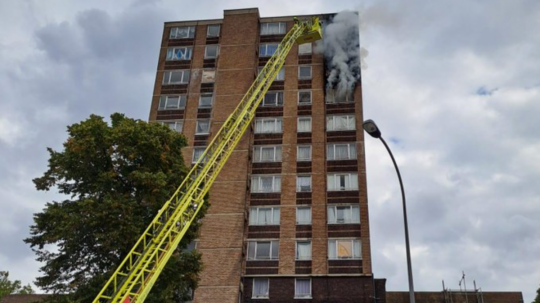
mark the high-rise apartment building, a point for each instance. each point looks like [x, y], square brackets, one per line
[289, 216]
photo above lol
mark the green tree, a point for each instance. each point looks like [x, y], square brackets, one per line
[117, 177]
[8, 287]
[537, 299]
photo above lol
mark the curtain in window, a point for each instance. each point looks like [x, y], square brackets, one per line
[344, 249]
[332, 249]
[352, 151]
[275, 219]
[197, 153]
[268, 126]
[304, 125]
[257, 154]
[357, 249]
[265, 216]
[355, 214]
[303, 183]
[275, 250]
[330, 152]
[332, 215]
[341, 151]
[253, 216]
[255, 185]
[278, 154]
[277, 184]
[304, 153]
[266, 184]
[332, 182]
[260, 287]
[342, 214]
[267, 154]
[251, 250]
[303, 215]
[303, 287]
[303, 251]
[353, 182]
[203, 126]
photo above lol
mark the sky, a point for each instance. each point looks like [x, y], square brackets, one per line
[453, 85]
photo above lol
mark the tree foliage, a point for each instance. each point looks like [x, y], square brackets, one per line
[8, 287]
[117, 177]
[537, 299]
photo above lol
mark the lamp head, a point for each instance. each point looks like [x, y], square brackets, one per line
[371, 128]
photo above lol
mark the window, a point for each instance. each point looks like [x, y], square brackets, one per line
[343, 214]
[197, 153]
[213, 30]
[205, 101]
[191, 246]
[263, 250]
[203, 127]
[272, 99]
[303, 250]
[267, 154]
[304, 49]
[340, 122]
[303, 153]
[273, 28]
[304, 125]
[342, 181]
[304, 72]
[266, 184]
[280, 76]
[179, 53]
[341, 151]
[333, 97]
[264, 216]
[344, 249]
[260, 288]
[176, 77]
[174, 125]
[182, 32]
[211, 51]
[303, 215]
[208, 76]
[304, 97]
[302, 288]
[267, 49]
[303, 183]
[268, 125]
[172, 102]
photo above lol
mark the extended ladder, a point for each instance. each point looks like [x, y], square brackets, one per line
[134, 278]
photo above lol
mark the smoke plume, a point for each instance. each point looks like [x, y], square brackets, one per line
[341, 49]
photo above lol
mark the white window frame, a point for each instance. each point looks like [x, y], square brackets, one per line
[164, 99]
[351, 151]
[351, 209]
[282, 28]
[254, 215]
[276, 124]
[206, 56]
[278, 153]
[213, 25]
[276, 179]
[337, 187]
[197, 127]
[167, 75]
[301, 190]
[280, 76]
[303, 222]
[296, 250]
[330, 97]
[300, 67]
[264, 46]
[171, 53]
[305, 46]
[173, 34]
[211, 100]
[266, 296]
[303, 296]
[177, 124]
[359, 257]
[271, 257]
[205, 76]
[298, 124]
[276, 102]
[197, 148]
[297, 153]
[331, 122]
[303, 92]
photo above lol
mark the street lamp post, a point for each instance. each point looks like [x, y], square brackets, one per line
[371, 128]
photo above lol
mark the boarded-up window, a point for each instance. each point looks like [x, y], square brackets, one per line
[208, 76]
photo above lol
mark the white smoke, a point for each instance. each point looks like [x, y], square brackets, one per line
[341, 49]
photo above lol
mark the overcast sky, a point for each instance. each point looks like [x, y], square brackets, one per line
[454, 86]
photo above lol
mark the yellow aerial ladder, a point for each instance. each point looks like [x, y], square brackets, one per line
[133, 279]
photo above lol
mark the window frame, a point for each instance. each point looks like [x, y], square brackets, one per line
[281, 73]
[305, 53]
[275, 121]
[330, 97]
[350, 206]
[306, 296]
[208, 30]
[348, 175]
[265, 45]
[276, 101]
[352, 245]
[310, 257]
[206, 95]
[298, 188]
[300, 77]
[256, 209]
[171, 50]
[310, 96]
[351, 155]
[206, 56]
[271, 257]
[298, 124]
[253, 296]
[310, 215]
[259, 180]
[193, 160]
[176, 122]
[197, 127]
[282, 28]
[170, 72]
[310, 153]
[190, 31]
[333, 117]
[179, 102]
[261, 147]
[208, 71]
